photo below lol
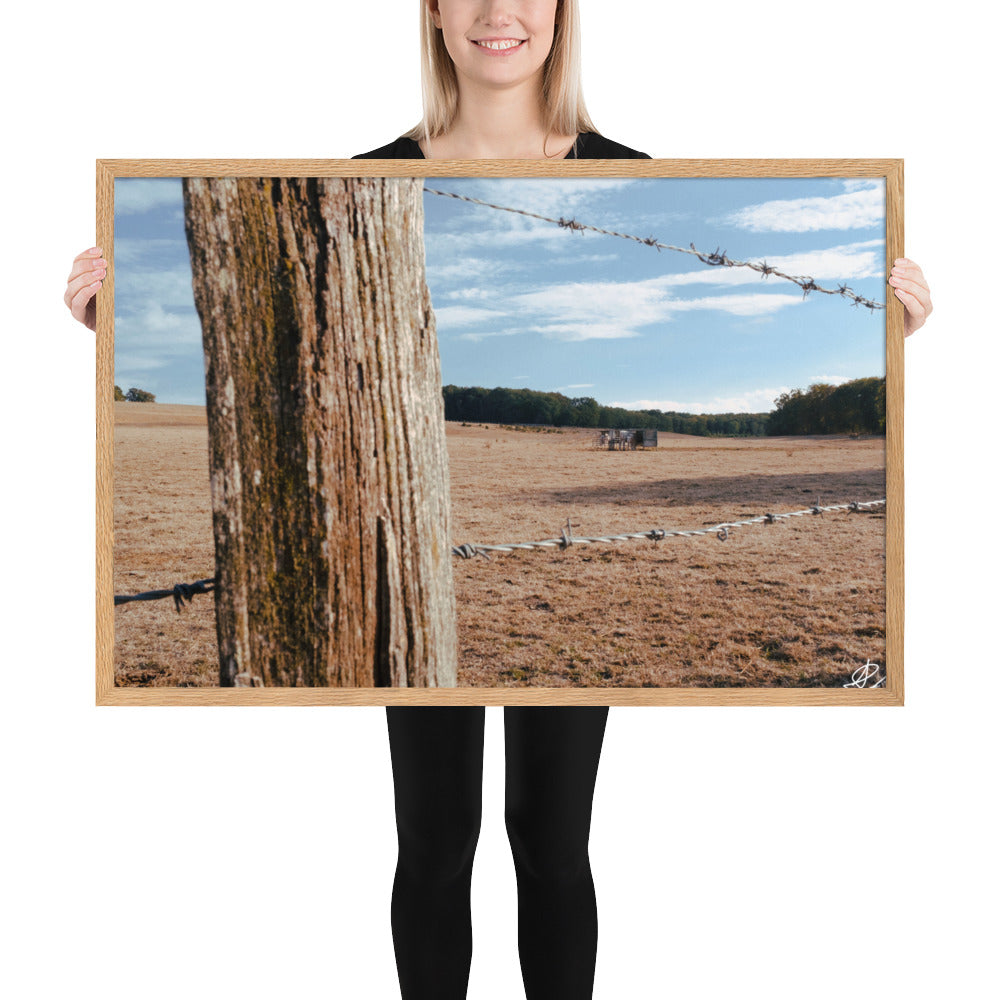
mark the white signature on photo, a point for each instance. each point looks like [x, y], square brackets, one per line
[866, 672]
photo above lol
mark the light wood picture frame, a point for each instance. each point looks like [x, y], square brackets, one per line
[766, 621]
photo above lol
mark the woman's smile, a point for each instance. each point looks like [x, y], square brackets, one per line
[498, 46]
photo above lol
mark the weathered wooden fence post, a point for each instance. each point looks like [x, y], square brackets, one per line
[326, 432]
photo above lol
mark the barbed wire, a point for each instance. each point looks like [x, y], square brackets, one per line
[804, 281]
[182, 592]
[656, 534]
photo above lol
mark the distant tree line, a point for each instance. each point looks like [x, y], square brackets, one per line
[133, 395]
[527, 406]
[854, 407]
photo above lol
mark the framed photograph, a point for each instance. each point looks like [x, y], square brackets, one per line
[500, 432]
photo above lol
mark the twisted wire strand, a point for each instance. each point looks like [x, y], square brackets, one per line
[804, 281]
[656, 534]
[182, 592]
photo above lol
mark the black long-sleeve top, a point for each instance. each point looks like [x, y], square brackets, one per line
[588, 146]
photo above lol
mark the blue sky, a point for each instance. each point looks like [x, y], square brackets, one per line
[524, 303]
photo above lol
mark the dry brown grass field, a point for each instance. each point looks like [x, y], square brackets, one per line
[797, 603]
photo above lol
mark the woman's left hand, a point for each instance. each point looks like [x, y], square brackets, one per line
[910, 286]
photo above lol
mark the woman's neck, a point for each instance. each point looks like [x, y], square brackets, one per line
[496, 124]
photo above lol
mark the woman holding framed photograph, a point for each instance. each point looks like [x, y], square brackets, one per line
[501, 80]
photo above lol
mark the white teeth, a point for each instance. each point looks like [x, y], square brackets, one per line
[506, 44]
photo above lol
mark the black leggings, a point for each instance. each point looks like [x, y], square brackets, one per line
[437, 764]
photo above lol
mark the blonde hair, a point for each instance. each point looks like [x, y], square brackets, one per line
[562, 92]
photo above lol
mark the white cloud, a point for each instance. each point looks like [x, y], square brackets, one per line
[629, 303]
[152, 318]
[752, 401]
[141, 287]
[625, 307]
[830, 379]
[133, 250]
[570, 311]
[126, 364]
[584, 330]
[452, 316]
[484, 334]
[760, 304]
[466, 268]
[860, 208]
[153, 336]
[551, 196]
[471, 294]
[134, 195]
[586, 258]
[862, 183]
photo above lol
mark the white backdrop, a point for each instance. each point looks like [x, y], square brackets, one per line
[737, 852]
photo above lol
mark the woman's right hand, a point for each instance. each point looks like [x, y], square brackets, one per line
[85, 278]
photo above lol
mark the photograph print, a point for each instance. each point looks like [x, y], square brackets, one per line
[624, 434]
